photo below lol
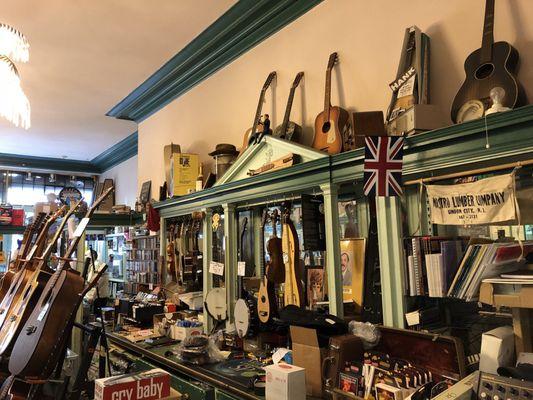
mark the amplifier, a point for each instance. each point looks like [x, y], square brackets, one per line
[494, 387]
[462, 390]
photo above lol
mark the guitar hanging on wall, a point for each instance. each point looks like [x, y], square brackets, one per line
[290, 130]
[266, 300]
[291, 257]
[332, 121]
[252, 134]
[493, 65]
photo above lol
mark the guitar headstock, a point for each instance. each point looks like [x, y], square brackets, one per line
[99, 201]
[268, 81]
[333, 58]
[297, 80]
[215, 221]
[264, 218]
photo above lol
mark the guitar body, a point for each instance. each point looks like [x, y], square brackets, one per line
[291, 255]
[38, 347]
[481, 78]
[292, 133]
[22, 307]
[5, 284]
[276, 270]
[328, 131]
[20, 281]
[266, 300]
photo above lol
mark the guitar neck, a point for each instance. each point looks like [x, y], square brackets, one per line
[488, 32]
[327, 94]
[288, 109]
[258, 111]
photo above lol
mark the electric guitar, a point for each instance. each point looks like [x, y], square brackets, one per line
[291, 257]
[331, 123]
[495, 64]
[251, 135]
[39, 344]
[290, 130]
[266, 300]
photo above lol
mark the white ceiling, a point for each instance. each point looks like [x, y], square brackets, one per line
[86, 56]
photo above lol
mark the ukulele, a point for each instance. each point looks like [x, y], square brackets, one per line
[291, 258]
[276, 270]
[332, 122]
[266, 300]
[45, 330]
[290, 130]
[251, 135]
[28, 239]
[495, 64]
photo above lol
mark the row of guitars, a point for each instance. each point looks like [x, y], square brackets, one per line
[37, 304]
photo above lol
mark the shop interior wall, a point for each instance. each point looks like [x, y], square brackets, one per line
[125, 178]
[368, 36]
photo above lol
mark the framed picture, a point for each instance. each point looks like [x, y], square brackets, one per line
[352, 264]
[144, 197]
[315, 284]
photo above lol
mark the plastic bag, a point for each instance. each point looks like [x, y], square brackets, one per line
[367, 332]
[199, 350]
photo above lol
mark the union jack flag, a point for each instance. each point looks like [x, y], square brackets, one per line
[383, 165]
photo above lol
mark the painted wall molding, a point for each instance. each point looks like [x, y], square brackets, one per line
[243, 26]
[116, 154]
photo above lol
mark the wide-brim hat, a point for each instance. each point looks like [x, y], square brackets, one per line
[224, 149]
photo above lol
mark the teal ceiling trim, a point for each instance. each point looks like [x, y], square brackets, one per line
[243, 26]
[118, 153]
[46, 163]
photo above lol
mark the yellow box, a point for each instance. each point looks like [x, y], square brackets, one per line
[184, 169]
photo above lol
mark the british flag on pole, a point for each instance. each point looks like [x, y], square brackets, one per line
[383, 165]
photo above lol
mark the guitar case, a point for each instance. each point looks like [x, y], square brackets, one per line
[341, 349]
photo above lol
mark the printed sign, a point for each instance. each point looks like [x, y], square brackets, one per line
[216, 268]
[241, 268]
[486, 201]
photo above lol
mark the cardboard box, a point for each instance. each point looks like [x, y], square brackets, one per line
[148, 385]
[285, 382]
[520, 296]
[182, 333]
[159, 328]
[497, 349]
[45, 207]
[307, 354]
[184, 169]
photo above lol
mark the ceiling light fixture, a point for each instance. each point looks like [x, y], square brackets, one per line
[14, 105]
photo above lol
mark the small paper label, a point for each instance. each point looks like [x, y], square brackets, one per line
[81, 227]
[407, 88]
[285, 258]
[151, 286]
[241, 268]
[43, 312]
[216, 268]
[330, 321]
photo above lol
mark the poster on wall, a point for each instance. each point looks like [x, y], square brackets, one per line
[486, 201]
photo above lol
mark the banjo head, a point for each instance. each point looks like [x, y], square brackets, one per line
[215, 303]
[242, 318]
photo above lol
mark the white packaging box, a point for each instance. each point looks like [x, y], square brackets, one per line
[497, 349]
[285, 382]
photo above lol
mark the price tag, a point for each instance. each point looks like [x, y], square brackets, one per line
[216, 268]
[241, 268]
[151, 286]
[81, 227]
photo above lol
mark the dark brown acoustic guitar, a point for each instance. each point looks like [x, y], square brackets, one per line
[276, 270]
[290, 130]
[251, 135]
[40, 343]
[495, 64]
[332, 121]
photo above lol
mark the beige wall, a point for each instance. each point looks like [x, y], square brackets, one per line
[125, 177]
[368, 36]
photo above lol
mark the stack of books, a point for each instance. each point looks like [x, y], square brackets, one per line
[431, 264]
[486, 260]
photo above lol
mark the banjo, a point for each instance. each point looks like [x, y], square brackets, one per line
[215, 304]
[245, 317]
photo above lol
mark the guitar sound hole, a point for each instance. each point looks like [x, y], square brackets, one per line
[263, 299]
[484, 71]
[326, 126]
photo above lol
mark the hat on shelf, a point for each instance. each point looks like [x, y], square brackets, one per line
[224, 149]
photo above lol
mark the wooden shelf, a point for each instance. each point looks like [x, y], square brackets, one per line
[112, 220]
[11, 230]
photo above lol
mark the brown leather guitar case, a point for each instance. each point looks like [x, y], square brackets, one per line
[341, 349]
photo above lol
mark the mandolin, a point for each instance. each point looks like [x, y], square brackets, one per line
[266, 299]
[290, 130]
[331, 123]
[495, 64]
[28, 239]
[251, 135]
[291, 257]
[45, 330]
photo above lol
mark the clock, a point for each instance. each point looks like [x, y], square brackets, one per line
[472, 109]
[69, 194]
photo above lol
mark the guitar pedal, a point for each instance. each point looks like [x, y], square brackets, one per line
[494, 387]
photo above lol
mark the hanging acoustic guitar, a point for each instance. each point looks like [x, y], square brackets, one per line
[290, 130]
[331, 123]
[291, 258]
[251, 135]
[266, 299]
[495, 64]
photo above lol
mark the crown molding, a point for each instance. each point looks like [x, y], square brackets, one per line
[243, 26]
[118, 153]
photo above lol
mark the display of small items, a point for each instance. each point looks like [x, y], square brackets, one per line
[142, 263]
